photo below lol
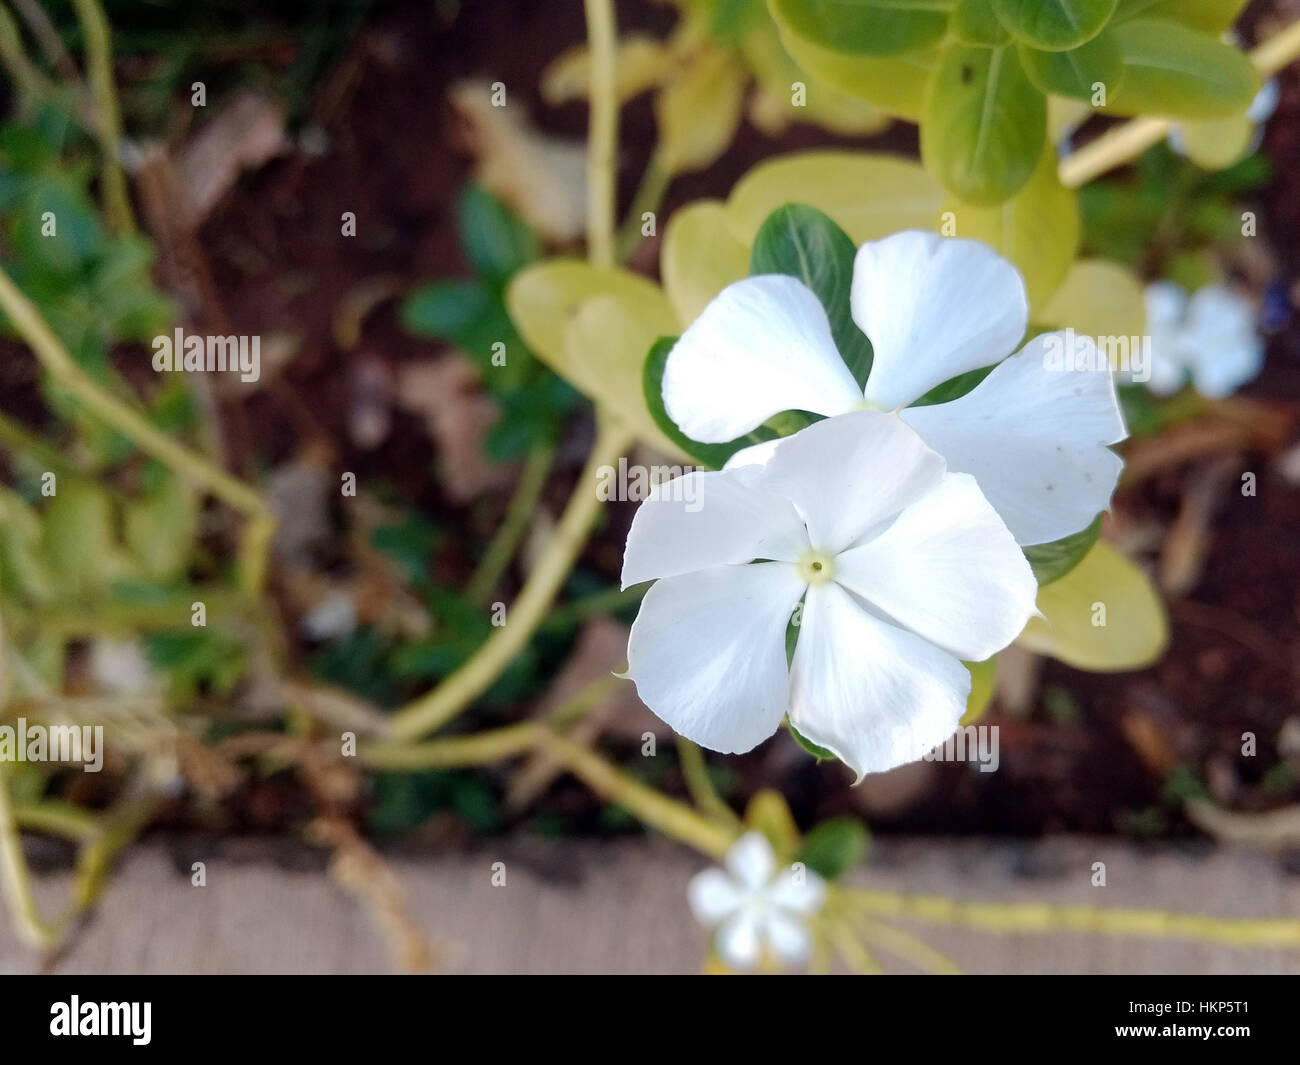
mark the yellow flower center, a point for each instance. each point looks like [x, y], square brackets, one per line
[815, 567]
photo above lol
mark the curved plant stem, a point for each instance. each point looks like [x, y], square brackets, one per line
[33, 328]
[99, 67]
[602, 139]
[432, 711]
[1125, 143]
[17, 882]
[648, 806]
[483, 748]
[54, 817]
[696, 772]
[532, 479]
[649, 196]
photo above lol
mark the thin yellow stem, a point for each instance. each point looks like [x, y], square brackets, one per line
[482, 748]
[695, 770]
[1125, 143]
[532, 479]
[909, 948]
[57, 818]
[659, 812]
[17, 883]
[433, 710]
[99, 67]
[602, 137]
[1006, 917]
[33, 328]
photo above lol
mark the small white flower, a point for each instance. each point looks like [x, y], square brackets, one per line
[904, 570]
[933, 307]
[1211, 336]
[754, 909]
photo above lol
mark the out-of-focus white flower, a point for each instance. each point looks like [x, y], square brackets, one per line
[903, 569]
[1210, 336]
[1035, 439]
[754, 909]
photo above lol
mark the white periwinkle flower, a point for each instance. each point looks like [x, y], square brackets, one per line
[753, 909]
[1210, 336]
[904, 570]
[1034, 436]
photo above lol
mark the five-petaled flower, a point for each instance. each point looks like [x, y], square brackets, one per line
[1036, 439]
[903, 570]
[754, 909]
[1210, 336]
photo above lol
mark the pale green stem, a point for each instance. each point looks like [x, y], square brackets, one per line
[532, 479]
[99, 68]
[602, 139]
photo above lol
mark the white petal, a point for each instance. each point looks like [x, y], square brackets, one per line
[754, 455]
[751, 861]
[787, 937]
[933, 307]
[1166, 304]
[707, 652]
[875, 695]
[1220, 342]
[1265, 103]
[848, 474]
[947, 569]
[713, 897]
[737, 941]
[707, 519]
[762, 347]
[1035, 439]
[803, 894]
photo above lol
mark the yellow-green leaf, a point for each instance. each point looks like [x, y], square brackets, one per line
[1054, 25]
[594, 328]
[983, 676]
[1104, 615]
[769, 814]
[160, 529]
[700, 256]
[869, 195]
[1218, 143]
[1037, 229]
[895, 84]
[698, 112]
[865, 27]
[1098, 298]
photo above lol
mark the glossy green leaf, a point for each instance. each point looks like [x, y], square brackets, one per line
[1182, 73]
[1037, 229]
[865, 27]
[975, 22]
[984, 123]
[1104, 615]
[804, 243]
[1051, 562]
[1054, 25]
[834, 847]
[1076, 72]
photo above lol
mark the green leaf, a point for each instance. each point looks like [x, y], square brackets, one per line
[700, 256]
[984, 123]
[495, 241]
[983, 678]
[895, 84]
[1076, 72]
[652, 382]
[975, 22]
[1051, 562]
[769, 813]
[834, 847]
[865, 27]
[804, 243]
[1208, 16]
[1182, 73]
[1054, 25]
[446, 310]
